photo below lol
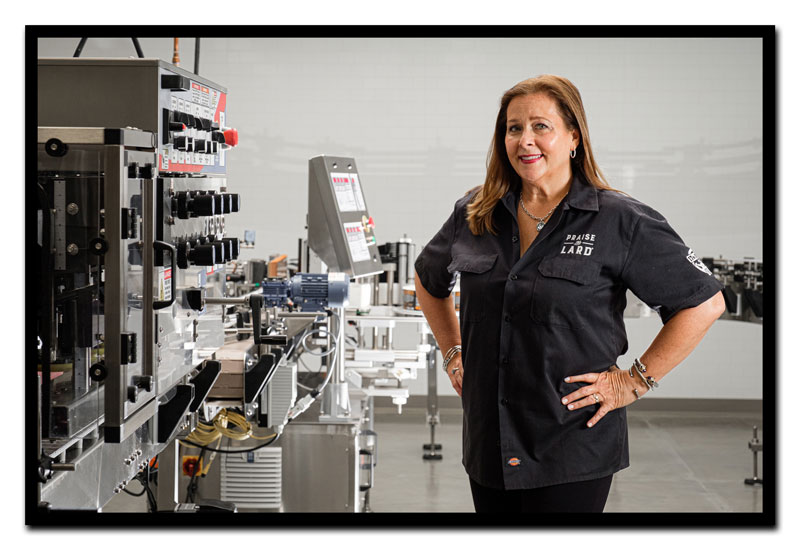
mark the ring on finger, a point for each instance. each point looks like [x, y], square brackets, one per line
[596, 398]
[454, 371]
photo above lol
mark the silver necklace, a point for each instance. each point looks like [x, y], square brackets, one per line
[541, 220]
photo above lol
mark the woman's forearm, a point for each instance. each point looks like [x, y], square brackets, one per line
[680, 335]
[441, 316]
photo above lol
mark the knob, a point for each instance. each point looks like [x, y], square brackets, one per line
[175, 82]
[98, 372]
[191, 121]
[183, 143]
[204, 254]
[219, 203]
[226, 203]
[146, 171]
[219, 251]
[234, 201]
[205, 124]
[133, 394]
[201, 146]
[219, 137]
[181, 117]
[231, 137]
[143, 382]
[196, 298]
[203, 205]
[183, 255]
[176, 126]
[234, 245]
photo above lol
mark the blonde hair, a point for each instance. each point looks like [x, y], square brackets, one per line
[501, 176]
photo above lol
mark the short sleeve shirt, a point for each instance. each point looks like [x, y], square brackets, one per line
[527, 323]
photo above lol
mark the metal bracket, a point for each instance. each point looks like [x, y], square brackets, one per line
[258, 377]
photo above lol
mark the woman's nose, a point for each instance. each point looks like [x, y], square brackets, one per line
[527, 137]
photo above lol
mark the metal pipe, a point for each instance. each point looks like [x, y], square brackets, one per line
[238, 300]
[79, 49]
[138, 47]
[176, 54]
[196, 56]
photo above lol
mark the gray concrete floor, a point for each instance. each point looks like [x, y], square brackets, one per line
[680, 462]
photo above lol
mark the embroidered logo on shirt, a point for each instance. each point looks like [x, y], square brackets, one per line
[514, 461]
[695, 261]
[582, 244]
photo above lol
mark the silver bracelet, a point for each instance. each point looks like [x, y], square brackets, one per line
[641, 370]
[451, 353]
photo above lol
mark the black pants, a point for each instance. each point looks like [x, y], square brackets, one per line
[582, 496]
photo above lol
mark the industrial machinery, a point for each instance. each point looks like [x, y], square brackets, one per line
[165, 358]
[132, 199]
[743, 282]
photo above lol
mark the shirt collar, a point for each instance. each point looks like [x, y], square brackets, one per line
[582, 195]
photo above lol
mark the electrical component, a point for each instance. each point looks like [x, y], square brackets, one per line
[308, 291]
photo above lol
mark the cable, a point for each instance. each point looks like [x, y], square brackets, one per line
[227, 423]
[238, 451]
[326, 333]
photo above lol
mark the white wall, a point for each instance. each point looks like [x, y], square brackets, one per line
[674, 122]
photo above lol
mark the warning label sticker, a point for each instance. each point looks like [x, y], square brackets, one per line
[345, 195]
[356, 241]
[165, 284]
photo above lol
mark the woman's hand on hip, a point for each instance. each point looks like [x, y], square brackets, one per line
[456, 373]
[609, 390]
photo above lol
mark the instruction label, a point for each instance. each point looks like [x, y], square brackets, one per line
[357, 242]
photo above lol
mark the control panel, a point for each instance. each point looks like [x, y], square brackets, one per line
[193, 136]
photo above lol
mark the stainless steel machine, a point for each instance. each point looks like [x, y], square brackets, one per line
[132, 199]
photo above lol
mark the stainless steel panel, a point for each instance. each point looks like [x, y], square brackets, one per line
[101, 471]
[321, 467]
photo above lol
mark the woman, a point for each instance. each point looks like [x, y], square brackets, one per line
[546, 250]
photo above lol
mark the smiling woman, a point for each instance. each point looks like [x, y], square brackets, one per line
[547, 250]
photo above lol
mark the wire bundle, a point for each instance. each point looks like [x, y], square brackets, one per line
[227, 423]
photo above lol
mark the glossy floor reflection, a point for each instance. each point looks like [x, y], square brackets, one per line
[680, 462]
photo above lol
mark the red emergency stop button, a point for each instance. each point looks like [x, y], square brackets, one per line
[371, 223]
[231, 137]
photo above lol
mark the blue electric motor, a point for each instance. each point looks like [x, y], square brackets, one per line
[308, 291]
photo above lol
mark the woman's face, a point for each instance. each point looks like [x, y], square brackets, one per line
[538, 142]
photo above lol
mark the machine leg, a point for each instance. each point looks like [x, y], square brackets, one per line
[756, 446]
[167, 495]
[433, 406]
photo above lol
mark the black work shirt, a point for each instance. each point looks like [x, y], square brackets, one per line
[527, 323]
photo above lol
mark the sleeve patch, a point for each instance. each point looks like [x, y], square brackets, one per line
[695, 261]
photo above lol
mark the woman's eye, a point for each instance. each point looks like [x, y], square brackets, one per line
[513, 128]
[540, 126]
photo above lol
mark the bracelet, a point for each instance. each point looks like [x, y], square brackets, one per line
[635, 391]
[640, 369]
[451, 353]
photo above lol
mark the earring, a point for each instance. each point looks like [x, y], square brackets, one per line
[573, 153]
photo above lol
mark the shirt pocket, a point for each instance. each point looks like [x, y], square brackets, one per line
[475, 270]
[563, 291]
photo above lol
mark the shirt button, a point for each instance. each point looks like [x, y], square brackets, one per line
[514, 239]
[504, 401]
[507, 318]
[514, 277]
